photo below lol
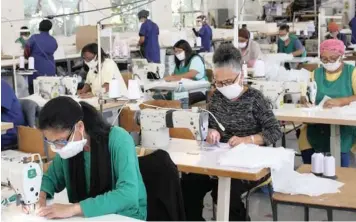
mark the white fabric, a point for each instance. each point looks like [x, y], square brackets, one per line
[281, 162]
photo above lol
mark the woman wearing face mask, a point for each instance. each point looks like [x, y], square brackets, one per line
[96, 163]
[336, 80]
[188, 66]
[247, 117]
[334, 30]
[250, 49]
[24, 36]
[289, 43]
[109, 70]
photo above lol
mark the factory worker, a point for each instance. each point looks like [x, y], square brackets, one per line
[11, 111]
[24, 36]
[109, 69]
[289, 43]
[148, 42]
[247, 118]
[42, 47]
[95, 162]
[337, 80]
[250, 49]
[334, 30]
[352, 25]
[205, 33]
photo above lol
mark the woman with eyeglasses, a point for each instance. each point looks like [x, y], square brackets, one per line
[247, 117]
[336, 80]
[95, 162]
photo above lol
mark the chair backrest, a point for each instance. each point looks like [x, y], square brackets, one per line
[181, 133]
[30, 140]
[127, 120]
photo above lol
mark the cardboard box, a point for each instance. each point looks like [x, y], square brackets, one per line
[85, 35]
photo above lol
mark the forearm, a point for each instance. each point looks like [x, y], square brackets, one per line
[348, 100]
[188, 75]
[298, 52]
[86, 88]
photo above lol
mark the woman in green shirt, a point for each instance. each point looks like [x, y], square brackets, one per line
[95, 162]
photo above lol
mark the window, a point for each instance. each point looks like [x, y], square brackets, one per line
[35, 10]
[185, 12]
[127, 21]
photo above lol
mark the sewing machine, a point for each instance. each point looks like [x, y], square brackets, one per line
[53, 86]
[155, 124]
[23, 176]
[147, 71]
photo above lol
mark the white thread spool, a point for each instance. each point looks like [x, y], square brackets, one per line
[134, 90]
[329, 166]
[31, 63]
[22, 62]
[244, 69]
[318, 163]
[198, 41]
[114, 88]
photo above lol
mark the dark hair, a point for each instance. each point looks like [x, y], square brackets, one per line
[182, 44]
[284, 27]
[143, 14]
[227, 53]
[62, 113]
[26, 33]
[93, 48]
[45, 25]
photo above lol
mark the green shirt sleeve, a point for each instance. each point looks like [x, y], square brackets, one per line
[53, 180]
[125, 195]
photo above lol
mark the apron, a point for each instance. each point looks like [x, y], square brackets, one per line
[290, 47]
[21, 41]
[318, 134]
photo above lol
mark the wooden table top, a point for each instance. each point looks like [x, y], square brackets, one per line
[190, 158]
[6, 126]
[346, 199]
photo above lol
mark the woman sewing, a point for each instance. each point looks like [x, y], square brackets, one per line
[336, 80]
[250, 49]
[95, 162]
[109, 70]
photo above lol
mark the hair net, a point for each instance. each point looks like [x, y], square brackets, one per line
[45, 25]
[333, 27]
[332, 45]
[143, 14]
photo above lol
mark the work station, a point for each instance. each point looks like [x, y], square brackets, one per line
[171, 110]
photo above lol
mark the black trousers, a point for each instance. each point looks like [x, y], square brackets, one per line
[195, 187]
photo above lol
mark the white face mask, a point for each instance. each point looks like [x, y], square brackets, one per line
[181, 56]
[284, 38]
[92, 64]
[71, 149]
[331, 67]
[242, 45]
[231, 91]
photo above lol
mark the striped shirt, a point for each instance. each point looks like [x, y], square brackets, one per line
[249, 115]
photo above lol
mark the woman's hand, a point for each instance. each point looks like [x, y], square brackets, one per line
[304, 102]
[172, 78]
[235, 140]
[42, 202]
[334, 103]
[59, 211]
[213, 136]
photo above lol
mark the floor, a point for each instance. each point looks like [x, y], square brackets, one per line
[260, 207]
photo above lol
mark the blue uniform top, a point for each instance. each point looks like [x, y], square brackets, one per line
[11, 111]
[353, 28]
[42, 47]
[206, 35]
[150, 31]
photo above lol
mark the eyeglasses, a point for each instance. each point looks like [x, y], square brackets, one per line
[60, 143]
[329, 60]
[228, 82]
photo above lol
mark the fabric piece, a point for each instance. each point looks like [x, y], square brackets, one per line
[332, 45]
[108, 71]
[150, 31]
[128, 196]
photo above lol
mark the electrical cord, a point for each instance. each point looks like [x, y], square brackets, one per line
[117, 116]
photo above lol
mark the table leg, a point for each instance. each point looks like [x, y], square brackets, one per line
[335, 145]
[275, 211]
[306, 213]
[330, 214]
[223, 199]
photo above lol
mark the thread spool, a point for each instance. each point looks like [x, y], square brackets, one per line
[297, 31]
[244, 69]
[134, 90]
[22, 63]
[114, 88]
[329, 166]
[198, 41]
[318, 164]
[31, 63]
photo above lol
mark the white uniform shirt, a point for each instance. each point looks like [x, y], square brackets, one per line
[108, 71]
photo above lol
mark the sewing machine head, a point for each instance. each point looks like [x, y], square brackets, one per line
[23, 177]
[312, 91]
[155, 124]
[273, 91]
[53, 86]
